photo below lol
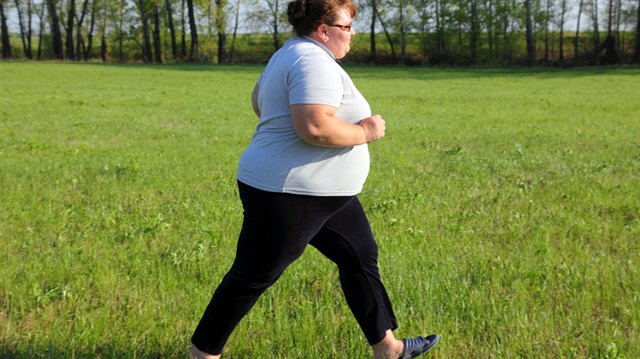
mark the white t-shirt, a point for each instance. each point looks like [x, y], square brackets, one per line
[304, 71]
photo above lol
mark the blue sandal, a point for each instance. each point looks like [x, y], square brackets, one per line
[414, 347]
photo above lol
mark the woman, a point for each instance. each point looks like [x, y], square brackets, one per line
[298, 181]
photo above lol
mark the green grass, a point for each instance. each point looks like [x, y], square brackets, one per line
[506, 204]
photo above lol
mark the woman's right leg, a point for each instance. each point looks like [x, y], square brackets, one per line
[276, 229]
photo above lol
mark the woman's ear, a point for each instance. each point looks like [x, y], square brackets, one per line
[321, 33]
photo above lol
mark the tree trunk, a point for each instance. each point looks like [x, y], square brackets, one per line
[636, 52]
[474, 35]
[79, 39]
[147, 56]
[157, 50]
[235, 31]
[172, 30]
[41, 33]
[596, 32]
[424, 30]
[193, 51]
[70, 19]
[103, 47]
[6, 44]
[546, 32]
[531, 50]
[490, 27]
[56, 34]
[183, 38]
[611, 56]
[372, 33]
[403, 44]
[222, 30]
[576, 41]
[23, 31]
[384, 28]
[441, 44]
[120, 31]
[92, 24]
[563, 12]
[276, 36]
[618, 35]
[103, 34]
[29, 15]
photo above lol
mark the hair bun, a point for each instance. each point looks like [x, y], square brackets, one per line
[296, 11]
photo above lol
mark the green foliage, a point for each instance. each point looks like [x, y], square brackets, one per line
[505, 204]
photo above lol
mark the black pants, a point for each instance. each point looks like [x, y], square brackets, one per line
[276, 230]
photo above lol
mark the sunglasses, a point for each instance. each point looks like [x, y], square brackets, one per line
[346, 28]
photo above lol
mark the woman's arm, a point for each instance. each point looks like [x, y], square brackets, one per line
[318, 125]
[254, 100]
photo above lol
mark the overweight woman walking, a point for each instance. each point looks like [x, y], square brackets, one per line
[298, 180]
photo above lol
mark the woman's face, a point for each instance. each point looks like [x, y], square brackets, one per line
[339, 39]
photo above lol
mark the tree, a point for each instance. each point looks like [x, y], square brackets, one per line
[372, 33]
[440, 29]
[42, 26]
[79, 38]
[221, 19]
[146, 36]
[92, 24]
[636, 53]
[491, 24]
[401, 29]
[172, 30]
[71, 15]
[596, 31]
[121, 7]
[235, 30]
[157, 49]
[25, 28]
[406, 15]
[386, 33]
[110, 7]
[474, 31]
[56, 34]
[611, 55]
[424, 15]
[193, 51]
[577, 37]
[546, 16]
[563, 12]
[183, 30]
[274, 14]
[6, 44]
[531, 49]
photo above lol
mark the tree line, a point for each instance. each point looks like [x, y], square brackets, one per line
[436, 32]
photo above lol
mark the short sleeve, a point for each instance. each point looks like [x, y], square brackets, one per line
[315, 80]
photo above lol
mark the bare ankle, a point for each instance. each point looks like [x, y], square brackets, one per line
[196, 353]
[388, 348]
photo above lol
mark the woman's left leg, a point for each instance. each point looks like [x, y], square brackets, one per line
[347, 240]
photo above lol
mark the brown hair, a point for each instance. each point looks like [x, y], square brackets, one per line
[306, 15]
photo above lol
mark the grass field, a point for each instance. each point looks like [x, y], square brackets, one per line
[506, 204]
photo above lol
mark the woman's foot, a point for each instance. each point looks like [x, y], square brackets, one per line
[196, 353]
[392, 348]
[388, 348]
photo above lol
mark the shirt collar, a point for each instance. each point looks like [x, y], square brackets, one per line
[321, 45]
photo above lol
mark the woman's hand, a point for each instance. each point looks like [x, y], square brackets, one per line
[374, 128]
